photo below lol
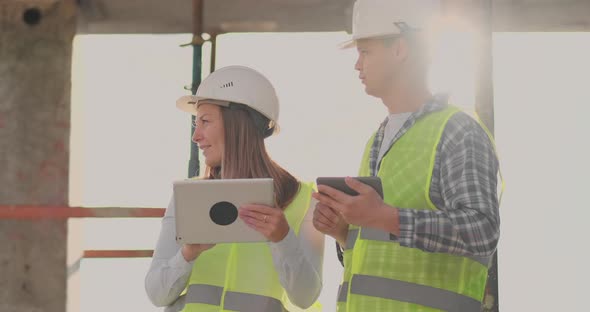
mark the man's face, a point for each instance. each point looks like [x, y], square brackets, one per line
[378, 64]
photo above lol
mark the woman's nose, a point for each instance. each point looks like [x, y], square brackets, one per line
[197, 135]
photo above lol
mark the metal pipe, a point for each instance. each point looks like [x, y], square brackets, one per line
[117, 254]
[21, 212]
[213, 51]
[197, 43]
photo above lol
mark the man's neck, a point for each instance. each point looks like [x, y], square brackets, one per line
[405, 99]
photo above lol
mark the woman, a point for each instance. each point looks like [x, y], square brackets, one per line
[236, 108]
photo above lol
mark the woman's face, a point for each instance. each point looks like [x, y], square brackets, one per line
[209, 133]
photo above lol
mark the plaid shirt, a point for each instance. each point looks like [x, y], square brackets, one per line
[463, 188]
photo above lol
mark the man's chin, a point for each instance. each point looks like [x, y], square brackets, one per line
[371, 92]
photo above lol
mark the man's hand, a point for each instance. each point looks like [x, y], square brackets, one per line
[328, 221]
[367, 209]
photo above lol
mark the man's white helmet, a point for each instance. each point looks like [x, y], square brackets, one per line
[237, 84]
[381, 18]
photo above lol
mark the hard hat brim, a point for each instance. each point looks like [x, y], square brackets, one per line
[347, 44]
[353, 41]
[188, 103]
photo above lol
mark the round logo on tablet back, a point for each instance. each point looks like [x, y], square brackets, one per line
[223, 213]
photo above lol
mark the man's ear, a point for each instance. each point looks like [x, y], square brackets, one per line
[401, 49]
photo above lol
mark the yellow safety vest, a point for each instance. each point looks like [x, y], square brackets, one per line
[382, 275]
[241, 276]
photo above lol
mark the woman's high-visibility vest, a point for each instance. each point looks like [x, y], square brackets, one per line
[242, 277]
[382, 275]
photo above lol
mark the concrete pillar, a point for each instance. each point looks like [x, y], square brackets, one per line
[478, 13]
[35, 58]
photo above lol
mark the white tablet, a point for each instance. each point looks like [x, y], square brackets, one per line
[207, 210]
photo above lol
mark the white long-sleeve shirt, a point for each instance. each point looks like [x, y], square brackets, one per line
[297, 259]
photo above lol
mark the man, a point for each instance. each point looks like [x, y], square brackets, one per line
[428, 244]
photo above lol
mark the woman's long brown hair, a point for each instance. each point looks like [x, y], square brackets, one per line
[245, 155]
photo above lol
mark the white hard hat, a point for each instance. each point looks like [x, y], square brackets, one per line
[236, 84]
[380, 18]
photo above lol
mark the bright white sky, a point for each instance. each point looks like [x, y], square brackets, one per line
[129, 143]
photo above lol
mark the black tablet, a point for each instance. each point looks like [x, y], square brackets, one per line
[339, 184]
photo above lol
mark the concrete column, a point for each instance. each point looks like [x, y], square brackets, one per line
[478, 13]
[35, 58]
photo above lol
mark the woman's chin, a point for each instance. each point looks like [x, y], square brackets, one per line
[211, 163]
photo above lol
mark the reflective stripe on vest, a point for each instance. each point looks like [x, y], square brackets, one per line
[343, 292]
[407, 292]
[204, 294]
[208, 294]
[380, 235]
[251, 303]
[351, 238]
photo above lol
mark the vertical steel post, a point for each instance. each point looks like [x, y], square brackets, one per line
[197, 43]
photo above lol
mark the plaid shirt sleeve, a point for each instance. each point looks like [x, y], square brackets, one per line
[463, 188]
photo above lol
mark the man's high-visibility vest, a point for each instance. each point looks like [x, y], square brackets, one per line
[382, 275]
